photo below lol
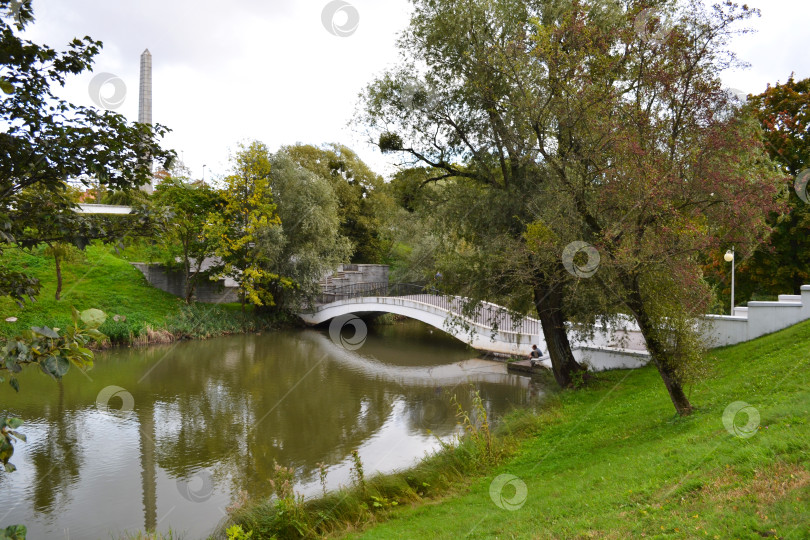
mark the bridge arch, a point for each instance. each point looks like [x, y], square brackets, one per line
[437, 311]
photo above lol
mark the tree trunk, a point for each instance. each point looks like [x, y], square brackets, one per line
[191, 279]
[186, 270]
[660, 358]
[58, 274]
[548, 302]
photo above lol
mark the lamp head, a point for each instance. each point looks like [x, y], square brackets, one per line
[729, 256]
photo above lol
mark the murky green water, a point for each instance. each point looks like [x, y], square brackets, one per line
[166, 437]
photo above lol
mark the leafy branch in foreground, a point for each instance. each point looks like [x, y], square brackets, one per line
[54, 353]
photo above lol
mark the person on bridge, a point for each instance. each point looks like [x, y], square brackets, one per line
[535, 355]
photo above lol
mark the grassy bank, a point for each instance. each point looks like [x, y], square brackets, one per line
[98, 278]
[608, 461]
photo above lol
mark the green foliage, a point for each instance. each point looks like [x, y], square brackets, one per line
[558, 122]
[134, 312]
[782, 264]
[363, 203]
[477, 430]
[88, 282]
[322, 469]
[235, 532]
[248, 214]
[7, 434]
[14, 532]
[289, 518]
[48, 139]
[185, 210]
[202, 321]
[308, 243]
[52, 351]
[358, 476]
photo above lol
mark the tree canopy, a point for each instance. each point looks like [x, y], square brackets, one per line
[592, 156]
[249, 213]
[47, 141]
[363, 203]
[781, 265]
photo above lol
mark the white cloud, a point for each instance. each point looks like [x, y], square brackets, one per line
[269, 70]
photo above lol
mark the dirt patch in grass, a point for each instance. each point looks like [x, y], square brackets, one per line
[767, 487]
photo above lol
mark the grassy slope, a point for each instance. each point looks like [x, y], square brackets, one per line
[613, 461]
[97, 278]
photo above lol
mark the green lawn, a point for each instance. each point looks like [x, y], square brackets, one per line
[99, 278]
[613, 461]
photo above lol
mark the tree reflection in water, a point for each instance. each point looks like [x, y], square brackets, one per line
[235, 406]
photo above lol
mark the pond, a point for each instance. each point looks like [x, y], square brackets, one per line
[167, 437]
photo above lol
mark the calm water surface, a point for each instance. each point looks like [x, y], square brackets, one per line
[187, 427]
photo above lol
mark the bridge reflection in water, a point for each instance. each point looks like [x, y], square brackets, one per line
[483, 325]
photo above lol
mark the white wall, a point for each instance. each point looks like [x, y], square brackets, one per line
[758, 319]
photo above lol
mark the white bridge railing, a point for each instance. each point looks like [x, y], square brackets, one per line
[463, 310]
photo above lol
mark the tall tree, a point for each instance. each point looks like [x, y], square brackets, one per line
[469, 113]
[249, 213]
[363, 204]
[307, 243]
[47, 140]
[783, 263]
[186, 209]
[655, 161]
[604, 148]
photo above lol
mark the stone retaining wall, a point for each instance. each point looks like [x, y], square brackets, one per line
[174, 282]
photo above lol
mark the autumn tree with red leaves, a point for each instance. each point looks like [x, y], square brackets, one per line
[782, 265]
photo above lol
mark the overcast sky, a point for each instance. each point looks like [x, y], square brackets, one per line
[271, 70]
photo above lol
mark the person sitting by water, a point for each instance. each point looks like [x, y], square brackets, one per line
[535, 355]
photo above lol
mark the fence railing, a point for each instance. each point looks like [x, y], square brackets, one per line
[483, 313]
[383, 288]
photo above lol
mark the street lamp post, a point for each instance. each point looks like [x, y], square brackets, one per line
[729, 257]
[204, 166]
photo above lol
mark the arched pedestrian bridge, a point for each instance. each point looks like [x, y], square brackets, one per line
[487, 327]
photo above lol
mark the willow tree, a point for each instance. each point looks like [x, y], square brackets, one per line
[363, 204]
[658, 162]
[308, 242]
[604, 147]
[458, 104]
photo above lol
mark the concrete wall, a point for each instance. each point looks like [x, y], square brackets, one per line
[758, 319]
[753, 321]
[373, 273]
[173, 282]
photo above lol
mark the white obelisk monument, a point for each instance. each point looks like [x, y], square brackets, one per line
[145, 99]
